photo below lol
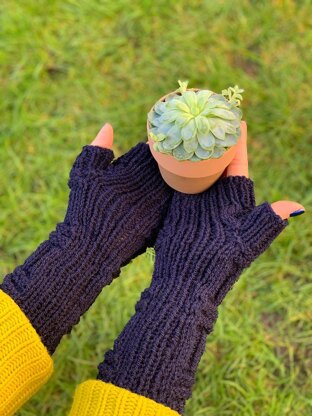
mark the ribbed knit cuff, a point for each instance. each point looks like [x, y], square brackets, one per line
[96, 398]
[25, 364]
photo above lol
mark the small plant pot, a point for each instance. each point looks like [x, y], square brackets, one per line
[186, 176]
[191, 177]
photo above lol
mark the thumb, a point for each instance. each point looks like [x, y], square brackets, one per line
[263, 224]
[105, 137]
[286, 209]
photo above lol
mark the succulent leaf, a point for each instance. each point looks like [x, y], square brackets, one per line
[195, 158]
[218, 132]
[189, 130]
[178, 105]
[202, 124]
[230, 140]
[220, 112]
[233, 95]
[165, 127]
[213, 104]
[153, 118]
[203, 154]
[181, 154]
[161, 149]
[222, 99]
[190, 145]
[203, 97]
[190, 98]
[174, 132]
[238, 112]
[206, 141]
[160, 107]
[218, 152]
[229, 128]
[204, 94]
[171, 143]
[157, 137]
[173, 138]
[169, 116]
[219, 143]
[172, 97]
[183, 119]
[183, 86]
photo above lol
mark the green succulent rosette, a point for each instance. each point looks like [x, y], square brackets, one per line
[196, 125]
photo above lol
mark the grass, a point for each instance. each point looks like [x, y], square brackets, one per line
[69, 66]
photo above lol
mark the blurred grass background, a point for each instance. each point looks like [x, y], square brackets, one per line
[66, 68]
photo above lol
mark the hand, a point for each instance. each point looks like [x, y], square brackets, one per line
[239, 167]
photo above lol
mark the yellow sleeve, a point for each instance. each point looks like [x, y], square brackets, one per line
[96, 398]
[25, 364]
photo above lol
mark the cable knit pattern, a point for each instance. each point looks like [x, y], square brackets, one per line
[206, 242]
[115, 210]
[25, 364]
[95, 398]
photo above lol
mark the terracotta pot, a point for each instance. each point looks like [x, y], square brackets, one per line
[190, 177]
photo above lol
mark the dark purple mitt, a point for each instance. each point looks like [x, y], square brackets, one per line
[115, 211]
[206, 242]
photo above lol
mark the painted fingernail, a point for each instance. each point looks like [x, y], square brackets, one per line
[298, 212]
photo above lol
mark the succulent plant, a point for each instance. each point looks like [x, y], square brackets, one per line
[196, 124]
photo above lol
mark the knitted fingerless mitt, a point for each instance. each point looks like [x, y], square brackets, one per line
[206, 242]
[114, 213]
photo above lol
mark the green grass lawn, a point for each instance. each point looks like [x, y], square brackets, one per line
[66, 68]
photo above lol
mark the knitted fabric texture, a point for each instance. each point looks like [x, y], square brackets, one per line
[115, 211]
[25, 364]
[95, 398]
[206, 242]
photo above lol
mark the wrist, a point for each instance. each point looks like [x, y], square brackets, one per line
[162, 344]
[55, 285]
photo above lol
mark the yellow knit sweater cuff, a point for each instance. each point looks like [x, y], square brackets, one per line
[96, 398]
[25, 364]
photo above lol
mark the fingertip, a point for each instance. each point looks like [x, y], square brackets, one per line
[239, 164]
[105, 137]
[243, 138]
[244, 126]
[287, 209]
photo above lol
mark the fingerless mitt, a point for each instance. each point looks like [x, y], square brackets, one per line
[115, 211]
[206, 242]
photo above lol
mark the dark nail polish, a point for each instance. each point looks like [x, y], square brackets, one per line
[298, 212]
